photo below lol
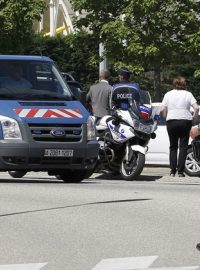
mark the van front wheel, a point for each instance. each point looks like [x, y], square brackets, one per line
[76, 176]
[17, 174]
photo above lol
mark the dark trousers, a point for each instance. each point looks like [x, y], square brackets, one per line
[178, 132]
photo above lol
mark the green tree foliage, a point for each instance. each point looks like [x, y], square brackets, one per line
[147, 35]
[16, 20]
[75, 52]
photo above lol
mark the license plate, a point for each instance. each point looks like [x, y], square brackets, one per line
[58, 153]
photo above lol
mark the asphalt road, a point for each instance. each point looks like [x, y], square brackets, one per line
[99, 224]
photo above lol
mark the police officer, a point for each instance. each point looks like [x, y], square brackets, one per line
[124, 90]
[123, 75]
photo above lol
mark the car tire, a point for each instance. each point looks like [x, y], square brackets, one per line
[192, 168]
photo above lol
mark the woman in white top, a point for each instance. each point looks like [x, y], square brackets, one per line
[176, 107]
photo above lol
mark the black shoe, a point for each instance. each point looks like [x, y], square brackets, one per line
[172, 173]
[181, 175]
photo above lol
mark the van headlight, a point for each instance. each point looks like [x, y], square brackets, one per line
[91, 129]
[10, 128]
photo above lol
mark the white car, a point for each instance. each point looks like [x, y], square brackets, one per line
[158, 150]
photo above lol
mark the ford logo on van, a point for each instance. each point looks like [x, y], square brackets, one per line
[58, 132]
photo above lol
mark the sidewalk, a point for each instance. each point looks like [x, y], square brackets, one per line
[164, 177]
[156, 174]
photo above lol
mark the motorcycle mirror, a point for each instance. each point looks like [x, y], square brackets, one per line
[198, 246]
[153, 135]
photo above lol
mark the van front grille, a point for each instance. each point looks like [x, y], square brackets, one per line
[56, 133]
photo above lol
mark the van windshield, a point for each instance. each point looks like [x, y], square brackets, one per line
[32, 80]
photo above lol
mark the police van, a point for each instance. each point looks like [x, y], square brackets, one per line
[43, 127]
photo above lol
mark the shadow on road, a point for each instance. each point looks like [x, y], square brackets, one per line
[109, 176]
[149, 177]
[91, 180]
[32, 181]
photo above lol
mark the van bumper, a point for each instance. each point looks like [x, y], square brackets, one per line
[23, 156]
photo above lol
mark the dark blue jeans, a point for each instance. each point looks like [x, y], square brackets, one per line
[178, 132]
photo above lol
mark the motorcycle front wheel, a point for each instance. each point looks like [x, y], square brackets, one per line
[130, 170]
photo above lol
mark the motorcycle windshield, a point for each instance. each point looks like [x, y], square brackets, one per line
[145, 98]
[143, 108]
[128, 97]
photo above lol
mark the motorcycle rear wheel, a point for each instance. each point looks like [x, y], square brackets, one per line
[134, 168]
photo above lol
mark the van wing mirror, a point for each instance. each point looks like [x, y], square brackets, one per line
[78, 92]
[81, 96]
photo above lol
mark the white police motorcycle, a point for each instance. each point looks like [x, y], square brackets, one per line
[123, 136]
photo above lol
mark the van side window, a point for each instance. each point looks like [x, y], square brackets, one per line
[44, 77]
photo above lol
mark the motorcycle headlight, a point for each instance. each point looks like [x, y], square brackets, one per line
[136, 124]
[10, 128]
[142, 128]
[91, 129]
[145, 129]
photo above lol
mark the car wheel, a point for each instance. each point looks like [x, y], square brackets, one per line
[192, 168]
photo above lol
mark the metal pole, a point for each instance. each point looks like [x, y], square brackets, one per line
[104, 63]
[41, 23]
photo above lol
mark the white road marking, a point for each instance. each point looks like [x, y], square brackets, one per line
[175, 268]
[29, 266]
[127, 263]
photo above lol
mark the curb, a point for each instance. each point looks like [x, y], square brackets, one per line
[179, 180]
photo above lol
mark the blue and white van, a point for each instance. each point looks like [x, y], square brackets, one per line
[42, 125]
